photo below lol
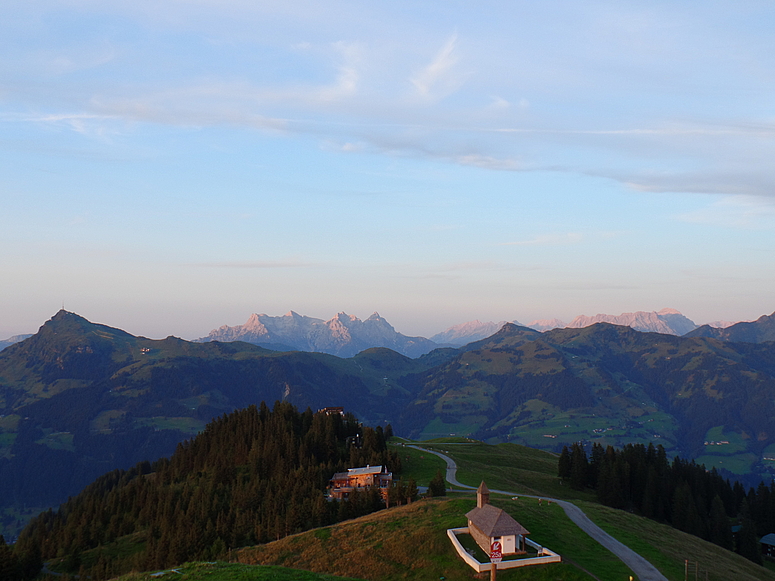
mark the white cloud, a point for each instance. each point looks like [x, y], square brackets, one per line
[347, 78]
[740, 211]
[439, 79]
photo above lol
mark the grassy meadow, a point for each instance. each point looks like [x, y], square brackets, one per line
[410, 542]
[668, 548]
[229, 572]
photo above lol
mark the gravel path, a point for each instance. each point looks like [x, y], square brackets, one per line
[640, 566]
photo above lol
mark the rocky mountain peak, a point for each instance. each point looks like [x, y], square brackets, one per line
[666, 321]
[343, 335]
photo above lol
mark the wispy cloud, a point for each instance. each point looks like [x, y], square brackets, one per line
[734, 212]
[549, 240]
[258, 264]
[438, 79]
[347, 77]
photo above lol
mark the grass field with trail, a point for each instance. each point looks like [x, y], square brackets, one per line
[508, 467]
[668, 548]
[529, 471]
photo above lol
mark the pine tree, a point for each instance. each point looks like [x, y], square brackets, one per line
[578, 475]
[564, 464]
[436, 487]
[9, 566]
[747, 540]
[720, 531]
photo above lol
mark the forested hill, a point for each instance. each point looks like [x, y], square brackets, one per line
[79, 399]
[251, 476]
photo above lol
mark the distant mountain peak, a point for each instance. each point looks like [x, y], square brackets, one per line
[758, 331]
[666, 321]
[467, 332]
[546, 324]
[343, 335]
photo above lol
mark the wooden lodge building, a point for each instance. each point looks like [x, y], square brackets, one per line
[487, 524]
[368, 477]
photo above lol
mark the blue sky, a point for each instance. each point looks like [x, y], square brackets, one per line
[169, 167]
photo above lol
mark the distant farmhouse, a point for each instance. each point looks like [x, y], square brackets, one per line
[366, 478]
[487, 524]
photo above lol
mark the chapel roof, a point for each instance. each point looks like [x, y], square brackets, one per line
[495, 522]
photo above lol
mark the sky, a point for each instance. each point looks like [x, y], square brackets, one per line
[168, 167]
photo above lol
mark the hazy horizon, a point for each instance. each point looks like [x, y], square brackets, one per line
[427, 335]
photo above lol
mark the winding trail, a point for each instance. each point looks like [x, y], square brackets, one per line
[640, 566]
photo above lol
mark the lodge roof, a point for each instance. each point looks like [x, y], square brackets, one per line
[495, 522]
[364, 471]
[768, 540]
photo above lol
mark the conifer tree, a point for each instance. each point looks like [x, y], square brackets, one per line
[9, 566]
[747, 540]
[720, 530]
[564, 464]
[578, 475]
[437, 487]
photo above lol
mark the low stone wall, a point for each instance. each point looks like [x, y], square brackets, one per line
[547, 556]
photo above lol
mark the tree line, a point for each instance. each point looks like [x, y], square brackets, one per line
[252, 476]
[681, 493]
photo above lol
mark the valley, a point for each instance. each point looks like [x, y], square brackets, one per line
[129, 399]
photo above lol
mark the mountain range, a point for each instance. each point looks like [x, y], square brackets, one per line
[78, 399]
[11, 340]
[668, 321]
[344, 335]
[758, 331]
[464, 333]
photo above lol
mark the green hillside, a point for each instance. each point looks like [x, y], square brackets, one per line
[606, 384]
[526, 471]
[220, 571]
[410, 542]
[79, 399]
[399, 543]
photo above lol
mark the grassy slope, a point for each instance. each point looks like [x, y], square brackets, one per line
[230, 572]
[407, 542]
[524, 470]
[509, 467]
[667, 548]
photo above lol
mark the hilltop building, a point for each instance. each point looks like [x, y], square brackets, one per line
[487, 524]
[368, 477]
[768, 545]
